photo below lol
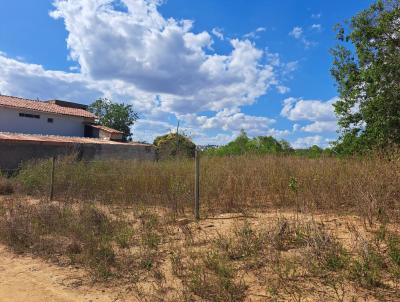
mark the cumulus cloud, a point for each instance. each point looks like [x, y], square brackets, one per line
[164, 56]
[33, 81]
[308, 110]
[308, 141]
[128, 51]
[229, 119]
[320, 113]
[321, 126]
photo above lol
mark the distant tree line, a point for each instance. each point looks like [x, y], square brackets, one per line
[262, 145]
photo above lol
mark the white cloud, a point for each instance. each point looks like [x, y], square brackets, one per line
[320, 113]
[147, 130]
[308, 110]
[218, 33]
[140, 47]
[321, 126]
[229, 120]
[317, 27]
[308, 141]
[254, 34]
[162, 66]
[33, 81]
[316, 16]
[296, 32]
[282, 89]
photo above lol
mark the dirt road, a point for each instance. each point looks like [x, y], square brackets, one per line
[26, 279]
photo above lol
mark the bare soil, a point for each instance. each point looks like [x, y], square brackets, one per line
[27, 278]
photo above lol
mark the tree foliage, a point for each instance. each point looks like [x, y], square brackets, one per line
[115, 115]
[174, 145]
[366, 68]
[258, 145]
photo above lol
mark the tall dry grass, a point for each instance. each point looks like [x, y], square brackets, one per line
[366, 186]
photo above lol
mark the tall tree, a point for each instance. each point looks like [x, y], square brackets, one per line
[367, 71]
[115, 115]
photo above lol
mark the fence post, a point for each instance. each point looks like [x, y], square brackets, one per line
[197, 185]
[53, 160]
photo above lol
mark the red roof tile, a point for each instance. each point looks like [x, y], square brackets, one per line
[107, 129]
[15, 102]
[54, 139]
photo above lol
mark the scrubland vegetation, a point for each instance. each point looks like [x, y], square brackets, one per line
[273, 227]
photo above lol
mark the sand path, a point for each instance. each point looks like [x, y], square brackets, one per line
[27, 279]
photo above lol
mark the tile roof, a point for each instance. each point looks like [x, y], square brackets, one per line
[15, 102]
[107, 129]
[54, 139]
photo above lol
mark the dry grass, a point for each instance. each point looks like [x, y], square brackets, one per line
[278, 257]
[6, 186]
[308, 230]
[369, 187]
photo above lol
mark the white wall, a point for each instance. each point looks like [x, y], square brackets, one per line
[10, 121]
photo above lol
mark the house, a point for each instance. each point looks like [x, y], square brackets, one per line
[104, 132]
[54, 117]
[43, 129]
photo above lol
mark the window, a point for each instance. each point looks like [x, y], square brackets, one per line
[29, 115]
[50, 120]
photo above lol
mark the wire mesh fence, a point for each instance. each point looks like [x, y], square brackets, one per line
[226, 183]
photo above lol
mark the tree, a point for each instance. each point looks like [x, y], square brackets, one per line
[115, 115]
[367, 73]
[245, 145]
[174, 145]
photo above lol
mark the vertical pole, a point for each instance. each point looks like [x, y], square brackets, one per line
[197, 185]
[53, 159]
[177, 141]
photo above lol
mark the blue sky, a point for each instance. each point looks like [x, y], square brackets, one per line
[216, 66]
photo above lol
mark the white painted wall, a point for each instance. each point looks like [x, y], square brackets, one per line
[10, 121]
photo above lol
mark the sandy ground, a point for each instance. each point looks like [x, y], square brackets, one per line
[23, 279]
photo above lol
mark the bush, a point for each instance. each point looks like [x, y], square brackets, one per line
[6, 187]
[174, 145]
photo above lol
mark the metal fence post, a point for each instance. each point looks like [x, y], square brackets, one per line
[53, 160]
[197, 185]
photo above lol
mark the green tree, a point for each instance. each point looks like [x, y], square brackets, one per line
[366, 68]
[245, 145]
[174, 145]
[115, 115]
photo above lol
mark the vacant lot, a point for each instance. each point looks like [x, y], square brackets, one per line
[272, 229]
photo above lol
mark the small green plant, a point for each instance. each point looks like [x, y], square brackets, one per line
[293, 184]
[124, 235]
[244, 244]
[213, 279]
[367, 269]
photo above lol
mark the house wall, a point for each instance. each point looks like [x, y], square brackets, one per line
[13, 153]
[10, 121]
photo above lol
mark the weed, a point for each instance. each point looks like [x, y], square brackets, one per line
[213, 279]
[367, 269]
[324, 252]
[245, 243]
[6, 186]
